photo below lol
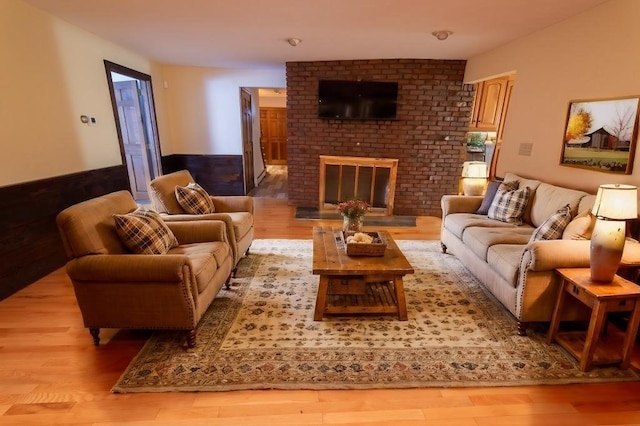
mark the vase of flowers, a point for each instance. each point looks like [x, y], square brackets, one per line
[353, 212]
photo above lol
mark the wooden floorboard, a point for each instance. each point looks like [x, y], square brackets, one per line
[50, 373]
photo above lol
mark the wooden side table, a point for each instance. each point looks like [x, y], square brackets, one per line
[620, 295]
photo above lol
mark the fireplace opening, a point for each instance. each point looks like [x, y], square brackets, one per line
[346, 178]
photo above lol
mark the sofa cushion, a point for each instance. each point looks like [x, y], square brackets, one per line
[457, 223]
[580, 228]
[242, 223]
[162, 191]
[505, 260]
[532, 184]
[550, 198]
[144, 232]
[553, 227]
[509, 206]
[205, 259]
[489, 194]
[479, 239]
[194, 199]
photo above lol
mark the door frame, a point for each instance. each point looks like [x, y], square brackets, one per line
[151, 125]
[247, 118]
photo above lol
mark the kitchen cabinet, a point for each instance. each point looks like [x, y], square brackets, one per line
[503, 120]
[488, 104]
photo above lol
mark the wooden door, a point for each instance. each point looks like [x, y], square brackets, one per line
[134, 139]
[247, 140]
[273, 125]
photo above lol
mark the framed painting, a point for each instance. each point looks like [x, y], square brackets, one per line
[601, 134]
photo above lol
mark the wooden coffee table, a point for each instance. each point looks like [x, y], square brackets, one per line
[358, 284]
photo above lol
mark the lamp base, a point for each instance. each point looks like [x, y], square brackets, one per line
[607, 244]
[473, 186]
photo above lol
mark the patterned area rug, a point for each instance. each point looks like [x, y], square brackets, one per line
[260, 334]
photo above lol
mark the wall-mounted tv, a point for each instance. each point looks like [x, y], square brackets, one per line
[357, 100]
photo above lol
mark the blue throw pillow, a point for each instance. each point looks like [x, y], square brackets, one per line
[489, 194]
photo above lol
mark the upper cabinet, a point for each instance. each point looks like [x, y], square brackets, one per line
[488, 104]
[505, 107]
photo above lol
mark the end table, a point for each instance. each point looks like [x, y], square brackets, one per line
[620, 295]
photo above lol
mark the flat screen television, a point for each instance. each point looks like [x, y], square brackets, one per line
[357, 100]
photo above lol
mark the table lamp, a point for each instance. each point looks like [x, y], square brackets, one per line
[474, 177]
[614, 204]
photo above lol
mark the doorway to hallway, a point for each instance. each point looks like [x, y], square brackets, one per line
[135, 116]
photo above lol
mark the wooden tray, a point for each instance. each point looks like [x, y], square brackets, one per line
[376, 248]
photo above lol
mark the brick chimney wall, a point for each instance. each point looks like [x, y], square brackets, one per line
[428, 138]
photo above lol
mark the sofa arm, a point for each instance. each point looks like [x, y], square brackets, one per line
[233, 203]
[547, 255]
[129, 268]
[200, 231]
[460, 204]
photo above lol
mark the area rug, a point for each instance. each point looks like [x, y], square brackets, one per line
[260, 334]
[369, 220]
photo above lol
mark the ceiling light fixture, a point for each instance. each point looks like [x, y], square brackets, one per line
[294, 41]
[442, 34]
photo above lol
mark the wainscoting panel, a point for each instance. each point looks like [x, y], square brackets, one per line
[218, 174]
[30, 245]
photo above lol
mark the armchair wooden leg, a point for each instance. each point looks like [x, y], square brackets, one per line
[191, 338]
[227, 283]
[95, 333]
[233, 274]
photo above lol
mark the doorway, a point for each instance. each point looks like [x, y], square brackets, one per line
[135, 116]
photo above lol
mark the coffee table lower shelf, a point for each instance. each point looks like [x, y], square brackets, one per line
[379, 298]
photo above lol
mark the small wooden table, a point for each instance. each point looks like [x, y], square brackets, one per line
[620, 295]
[358, 284]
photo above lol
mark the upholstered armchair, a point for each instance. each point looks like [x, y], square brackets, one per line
[116, 288]
[236, 211]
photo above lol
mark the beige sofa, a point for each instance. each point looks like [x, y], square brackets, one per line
[519, 273]
[118, 289]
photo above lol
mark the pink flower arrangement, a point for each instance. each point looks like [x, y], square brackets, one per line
[353, 208]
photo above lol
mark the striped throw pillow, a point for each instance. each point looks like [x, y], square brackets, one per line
[194, 199]
[144, 232]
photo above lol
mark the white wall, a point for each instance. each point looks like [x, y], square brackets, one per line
[591, 56]
[53, 72]
[204, 106]
[272, 101]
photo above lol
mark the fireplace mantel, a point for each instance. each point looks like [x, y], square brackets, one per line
[370, 179]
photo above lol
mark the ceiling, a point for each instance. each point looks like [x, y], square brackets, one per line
[253, 33]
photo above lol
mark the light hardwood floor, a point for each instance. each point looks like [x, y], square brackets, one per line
[50, 373]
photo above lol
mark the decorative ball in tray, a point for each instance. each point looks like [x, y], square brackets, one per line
[364, 244]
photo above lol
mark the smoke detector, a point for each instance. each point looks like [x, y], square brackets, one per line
[442, 34]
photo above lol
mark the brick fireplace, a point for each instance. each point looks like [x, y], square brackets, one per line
[427, 138]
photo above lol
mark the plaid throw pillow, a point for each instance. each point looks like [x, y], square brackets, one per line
[509, 204]
[194, 199]
[144, 232]
[553, 227]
